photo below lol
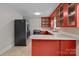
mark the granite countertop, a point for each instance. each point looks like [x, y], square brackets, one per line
[54, 36]
[51, 37]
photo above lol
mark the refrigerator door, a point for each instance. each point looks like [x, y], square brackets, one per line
[20, 32]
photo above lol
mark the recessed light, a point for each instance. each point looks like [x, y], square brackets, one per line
[37, 13]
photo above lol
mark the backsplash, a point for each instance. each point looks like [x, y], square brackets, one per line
[71, 30]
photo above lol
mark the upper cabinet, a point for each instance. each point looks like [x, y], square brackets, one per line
[58, 18]
[71, 14]
[67, 15]
[61, 15]
[45, 22]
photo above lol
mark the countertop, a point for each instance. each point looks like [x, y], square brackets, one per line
[54, 36]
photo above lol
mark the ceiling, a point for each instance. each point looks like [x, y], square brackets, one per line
[28, 9]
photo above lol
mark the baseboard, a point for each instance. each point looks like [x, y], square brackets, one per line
[6, 49]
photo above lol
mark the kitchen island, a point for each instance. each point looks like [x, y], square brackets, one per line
[53, 45]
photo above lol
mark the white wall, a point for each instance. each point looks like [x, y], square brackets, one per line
[7, 16]
[35, 23]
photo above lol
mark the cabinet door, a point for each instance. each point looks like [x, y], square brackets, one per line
[45, 22]
[71, 14]
[45, 47]
[68, 47]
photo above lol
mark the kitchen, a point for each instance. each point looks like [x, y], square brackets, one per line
[56, 32]
[63, 40]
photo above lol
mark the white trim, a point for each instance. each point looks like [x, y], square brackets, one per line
[6, 49]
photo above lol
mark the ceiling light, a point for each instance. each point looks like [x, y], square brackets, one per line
[37, 13]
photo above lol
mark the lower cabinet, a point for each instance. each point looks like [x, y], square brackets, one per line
[45, 47]
[41, 47]
[68, 47]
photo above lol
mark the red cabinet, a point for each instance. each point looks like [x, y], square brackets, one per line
[71, 18]
[45, 22]
[45, 47]
[41, 47]
[58, 19]
[68, 47]
[66, 15]
[77, 15]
